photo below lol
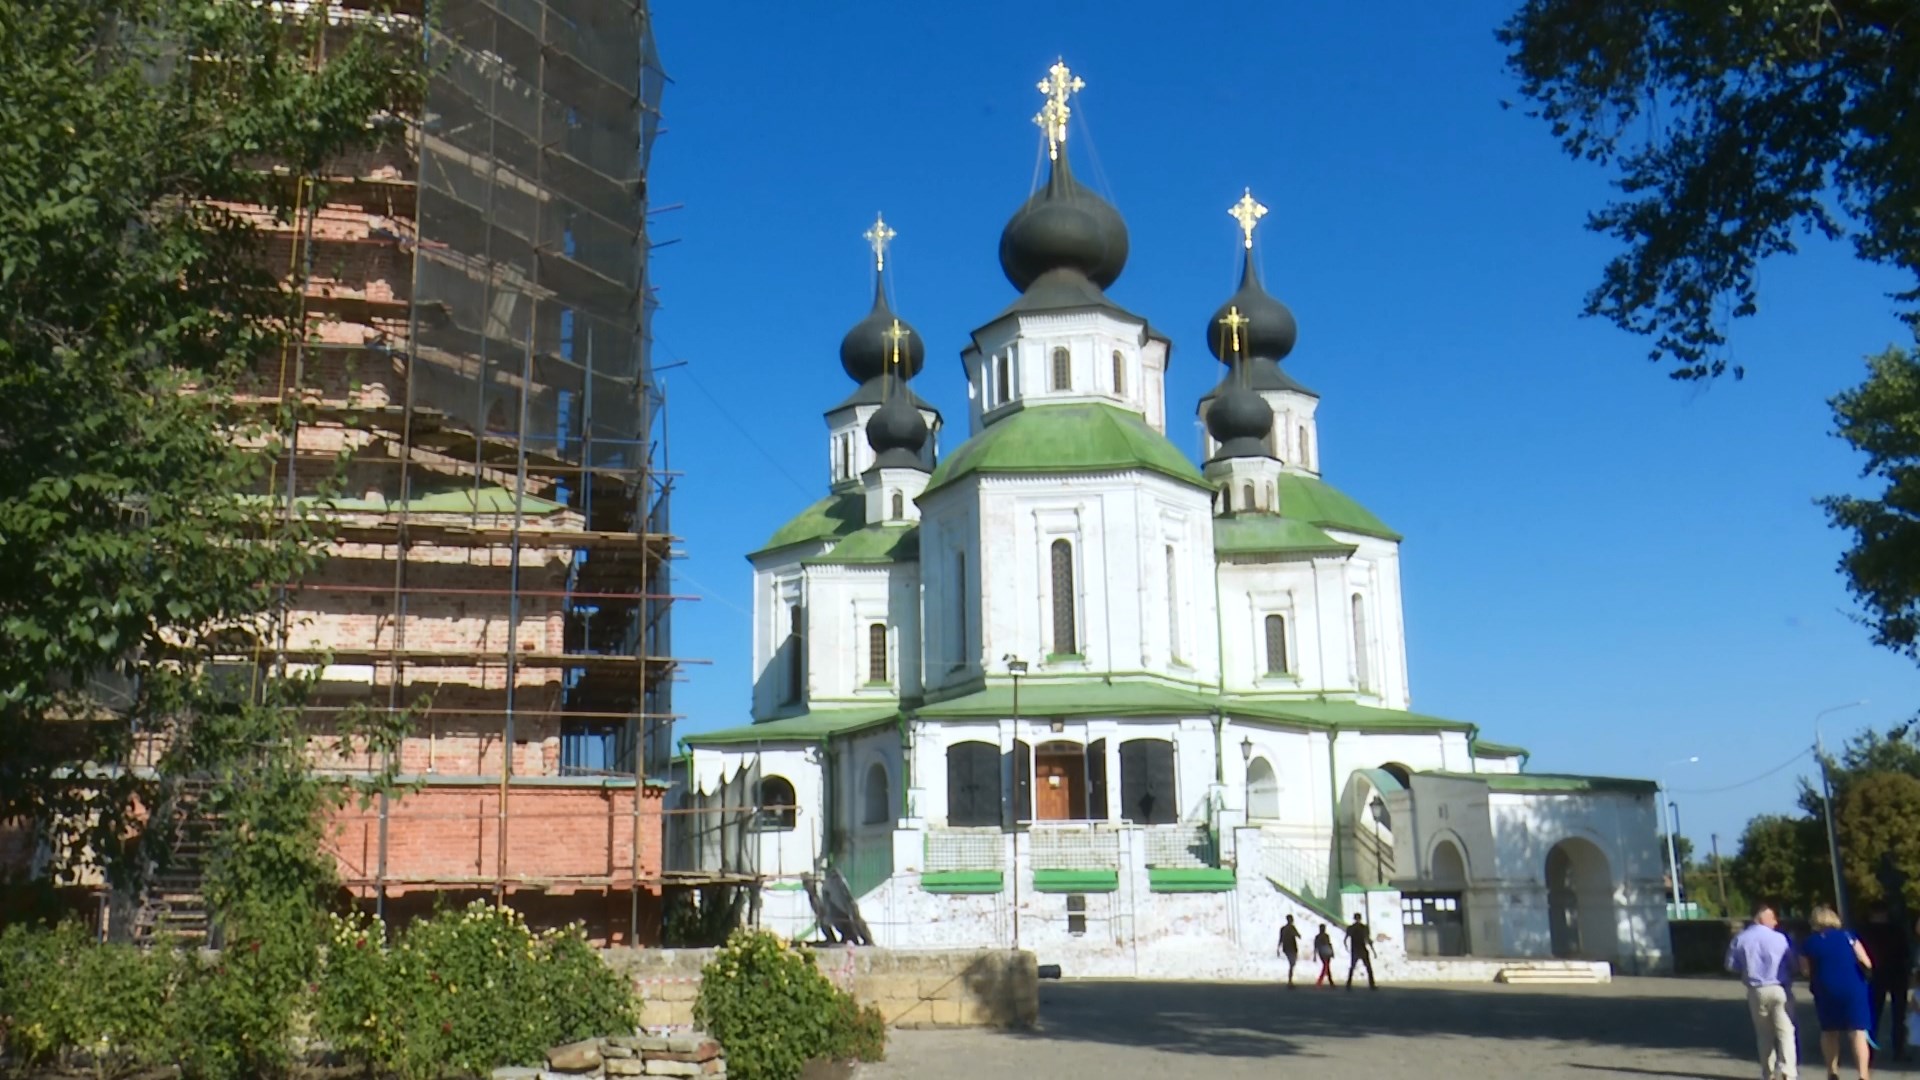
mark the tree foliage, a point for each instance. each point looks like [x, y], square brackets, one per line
[1734, 129]
[1881, 419]
[1782, 859]
[1880, 818]
[142, 573]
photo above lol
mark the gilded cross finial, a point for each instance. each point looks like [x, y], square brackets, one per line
[1248, 213]
[1060, 84]
[878, 236]
[1233, 321]
[897, 335]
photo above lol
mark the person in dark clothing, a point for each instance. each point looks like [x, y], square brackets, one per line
[1360, 951]
[1290, 947]
[1323, 952]
[1886, 945]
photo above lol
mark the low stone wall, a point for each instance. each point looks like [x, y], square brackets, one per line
[628, 1056]
[912, 988]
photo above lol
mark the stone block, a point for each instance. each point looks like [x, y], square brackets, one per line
[684, 1044]
[610, 1050]
[658, 1067]
[515, 1072]
[579, 1057]
[653, 1042]
[624, 1042]
[626, 1067]
[946, 1013]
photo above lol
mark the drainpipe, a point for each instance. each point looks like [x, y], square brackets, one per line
[1333, 801]
[1219, 635]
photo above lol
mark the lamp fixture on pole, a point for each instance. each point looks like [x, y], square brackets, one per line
[1382, 821]
[1246, 750]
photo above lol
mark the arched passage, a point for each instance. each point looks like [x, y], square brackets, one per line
[1263, 791]
[1581, 922]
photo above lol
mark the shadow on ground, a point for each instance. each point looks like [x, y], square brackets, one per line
[1258, 1020]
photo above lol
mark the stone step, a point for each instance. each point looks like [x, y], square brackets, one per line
[1529, 975]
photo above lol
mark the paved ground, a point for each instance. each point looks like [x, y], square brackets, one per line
[1100, 1030]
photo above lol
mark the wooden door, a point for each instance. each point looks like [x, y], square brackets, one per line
[1060, 784]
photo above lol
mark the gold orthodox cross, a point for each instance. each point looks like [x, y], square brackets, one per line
[896, 334]
[1248, 213]
[1233, 321]
[878, 236]
[1060, 84]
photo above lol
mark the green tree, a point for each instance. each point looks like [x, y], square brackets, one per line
[1880, 815]
[1734, 128]
[1881, 419]
[142, 571]
[1782, 859]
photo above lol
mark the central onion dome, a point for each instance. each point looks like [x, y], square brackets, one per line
[1269, 330]
[1064, 225]
[896, 430]
[1239, 419]
[867, 349]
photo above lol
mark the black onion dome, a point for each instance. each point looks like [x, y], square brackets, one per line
[866, 350]
[896, 430]
[1239, 419]
[1064, 225]
[1269, 332]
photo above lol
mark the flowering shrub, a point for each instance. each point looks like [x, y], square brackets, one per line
[464, 991]
[774, 1010]
[61, 992]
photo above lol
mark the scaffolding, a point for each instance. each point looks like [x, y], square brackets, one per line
[476, 369]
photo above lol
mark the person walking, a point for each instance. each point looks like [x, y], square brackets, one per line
[1762, 955]
[1360, 950]
[1886, 943]
[1290, 947]
[1323, 952]
[1837, 969]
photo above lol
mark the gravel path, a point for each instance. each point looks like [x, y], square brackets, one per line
[1098, 1030]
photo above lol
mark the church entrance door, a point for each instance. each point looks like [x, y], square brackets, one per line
[1060, 782]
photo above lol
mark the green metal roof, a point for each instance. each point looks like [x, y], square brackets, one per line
[1483, 748]
[1553, 783]
[487, 500]
[1077, 438]
[1081, 696]
[835, 515]
[876, 545]
[1312, 499]
[807, 727]
[1264, 534]
[1347, 715]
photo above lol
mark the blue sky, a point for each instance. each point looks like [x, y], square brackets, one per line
[1610, 568]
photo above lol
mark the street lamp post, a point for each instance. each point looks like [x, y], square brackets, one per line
[1017, 667]
[1378, 807]
[1673, 859]
[1826, 803]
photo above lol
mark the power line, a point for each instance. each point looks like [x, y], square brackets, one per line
[1744, 783]
[778, 466]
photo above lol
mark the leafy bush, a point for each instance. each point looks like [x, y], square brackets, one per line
[465, 991]
[774, 1010]
[60, 992]
[236, 1015]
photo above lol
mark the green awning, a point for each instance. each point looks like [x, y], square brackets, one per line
[1190, 879]
[1076, 881]
[960, 882]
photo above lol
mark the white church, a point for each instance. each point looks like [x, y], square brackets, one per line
[1064, 690]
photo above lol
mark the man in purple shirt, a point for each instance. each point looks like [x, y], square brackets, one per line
[1763, 956]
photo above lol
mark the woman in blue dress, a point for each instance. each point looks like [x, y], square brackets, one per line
[1837, 971]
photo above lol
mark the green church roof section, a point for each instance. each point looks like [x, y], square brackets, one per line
[810, 727]
[1346, 715]
[1483, 748]
[1079, 696]
[1312, 499]
[831, 517]
[1078, 438]
[486, 500]
[1265, 534]
[1554, 783]
[873, 545]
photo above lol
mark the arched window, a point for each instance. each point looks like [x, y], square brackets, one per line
[1306, 451]
[1062, 369]
[1263, 791]
[877, 652]
[1226, 498]
[777, 805]
[973, 784]
[1362, 673]
[899, 506]
[1246, 496]
[876, 805]
[796, 653]
[1276, 645]
[1003, 381]
[1065, 641]
[1119, 374]
[1173, 604]
[1146, 782]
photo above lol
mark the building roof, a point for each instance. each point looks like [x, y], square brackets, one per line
[1074, 438]
[1553, 783]
[1043, 696]
[873, 545]
[1346, 715]
[1313, 499]
[806, 727]
[1266, 534]
[834, 516]
[1483, 748]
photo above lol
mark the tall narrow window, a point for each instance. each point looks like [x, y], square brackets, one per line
[1173, 605]
[1003, 381]
[796, 653]
[1062, 369]
[1226, 498]
[1276, 645]
[1246, 497]
[877, 652]
[899, 506]
[1362, 676]
[1065, 642]
[1119, 374]
[1306, 452]
[960, 609]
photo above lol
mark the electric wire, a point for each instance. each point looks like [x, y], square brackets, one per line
[728, 416]
[1744, 783]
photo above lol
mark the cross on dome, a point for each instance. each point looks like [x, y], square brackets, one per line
[895, 335]
[1233, 321]
[1060, 84]
[1248, 213]
[878, 236]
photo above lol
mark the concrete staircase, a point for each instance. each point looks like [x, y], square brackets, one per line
[174, 905]
[1555, 973]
